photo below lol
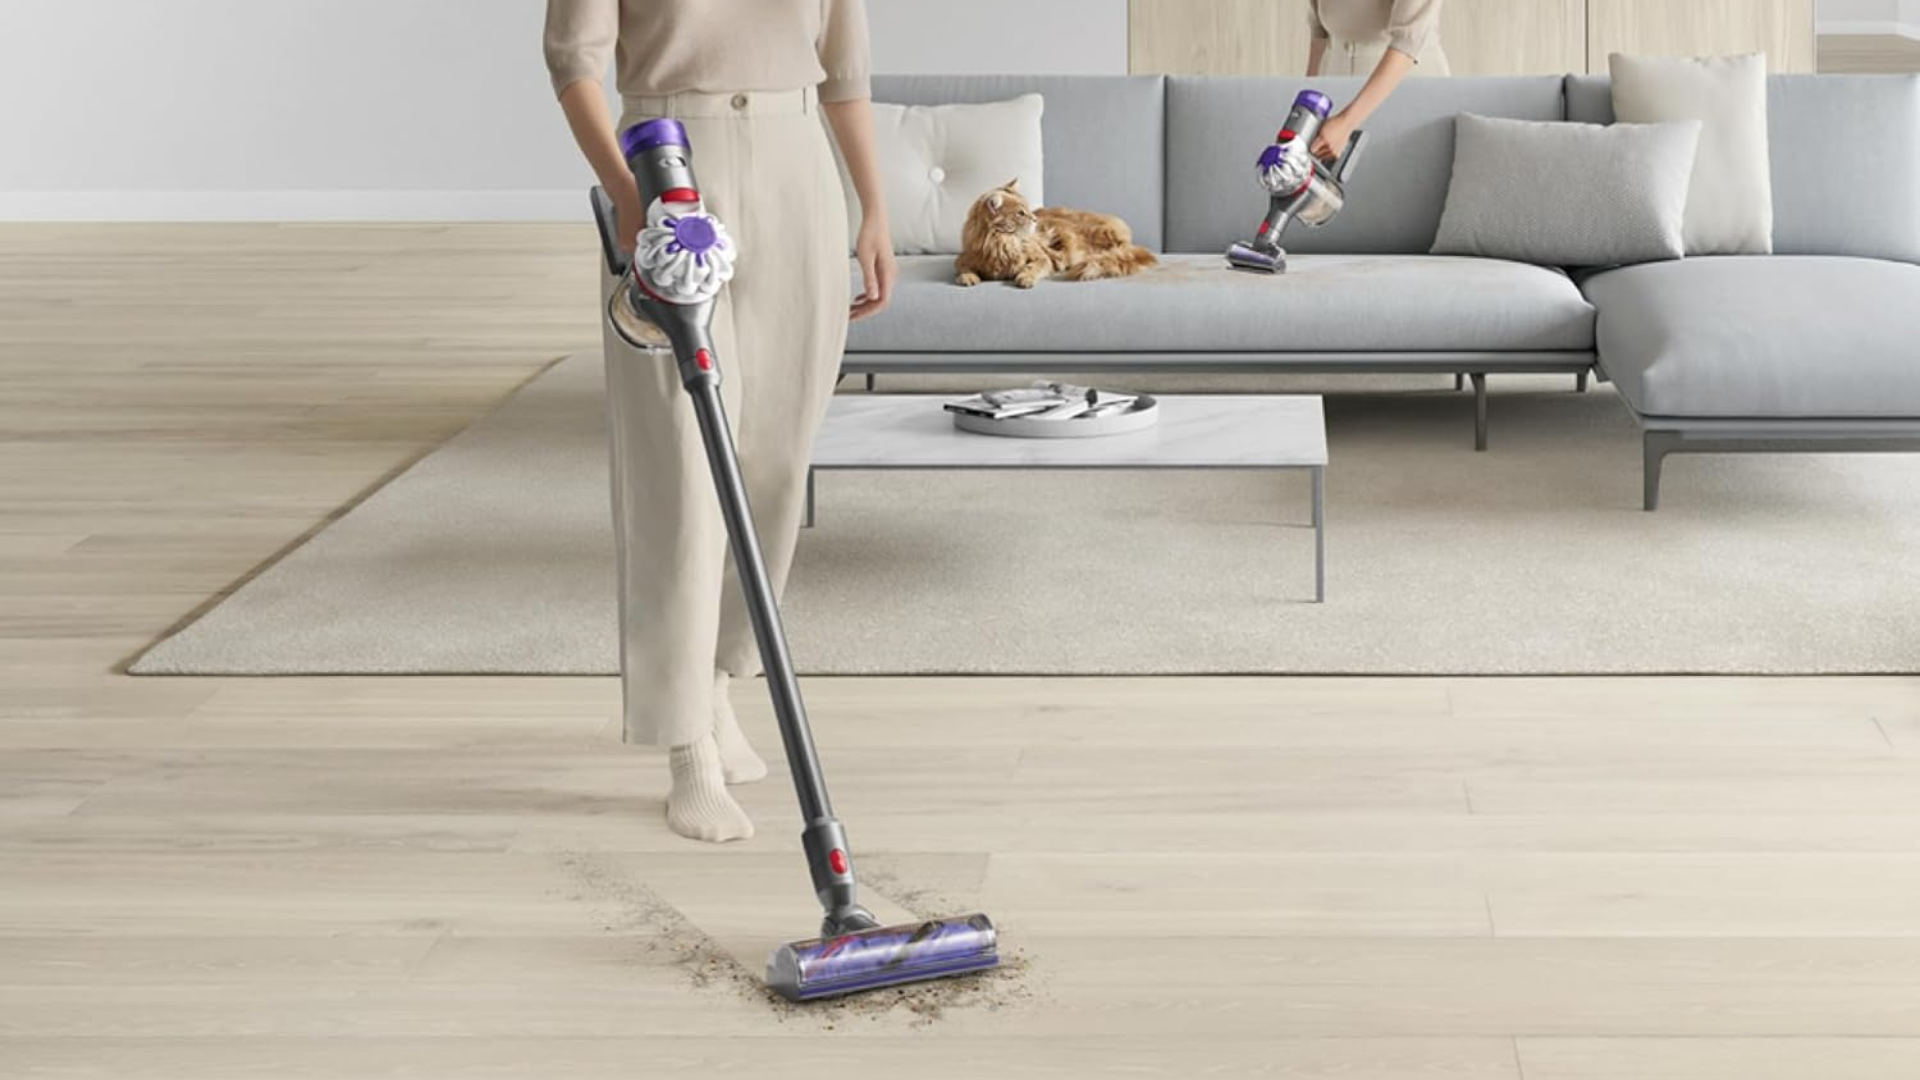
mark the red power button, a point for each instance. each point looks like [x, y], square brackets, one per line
[837, 859]
[704, 359]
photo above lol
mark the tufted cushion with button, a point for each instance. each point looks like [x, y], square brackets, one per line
[936, 160]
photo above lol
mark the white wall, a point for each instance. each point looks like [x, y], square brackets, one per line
[1869, 17]
[373, 109]
[1846, 11]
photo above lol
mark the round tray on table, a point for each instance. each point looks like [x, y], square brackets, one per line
[1144, 413]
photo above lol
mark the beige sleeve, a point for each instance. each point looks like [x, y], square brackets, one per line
[1314, 24]
[580, 39]
[846, 51]
[1414, 26]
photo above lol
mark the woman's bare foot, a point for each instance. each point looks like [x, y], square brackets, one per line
[738, 763]
[698, 806]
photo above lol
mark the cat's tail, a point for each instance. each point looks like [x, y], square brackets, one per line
[1114, 262]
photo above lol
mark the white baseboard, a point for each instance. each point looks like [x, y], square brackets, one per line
[1867, 28]
[206, 206]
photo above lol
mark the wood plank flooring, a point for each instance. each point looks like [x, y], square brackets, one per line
[1518, 879]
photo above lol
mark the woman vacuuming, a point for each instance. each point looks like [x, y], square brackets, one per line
[748, 79]
[1384, 40]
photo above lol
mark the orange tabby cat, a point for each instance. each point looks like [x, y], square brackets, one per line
[1005, 239]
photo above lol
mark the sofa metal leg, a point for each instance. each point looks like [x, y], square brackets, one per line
[1459, 381]
[1580, 382]
[1654, 448]
[873, 380]
[1479, 411]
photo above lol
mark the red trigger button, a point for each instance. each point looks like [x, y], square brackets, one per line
[704, 359]
[837, 859]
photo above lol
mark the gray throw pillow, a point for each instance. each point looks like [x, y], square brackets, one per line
[1567, 194]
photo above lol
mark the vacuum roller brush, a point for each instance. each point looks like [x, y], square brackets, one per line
[889, 956]
[664, 310]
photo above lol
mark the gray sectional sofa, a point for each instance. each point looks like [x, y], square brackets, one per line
[1815, 347]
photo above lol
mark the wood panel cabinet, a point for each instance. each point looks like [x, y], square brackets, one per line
[1783, 29]
[1514, 37]
[1218, 37]
[1482, 37]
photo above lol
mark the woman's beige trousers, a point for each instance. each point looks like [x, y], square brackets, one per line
[767, 171]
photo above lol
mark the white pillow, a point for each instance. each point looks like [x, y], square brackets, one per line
[935, 160]
[1730, 206]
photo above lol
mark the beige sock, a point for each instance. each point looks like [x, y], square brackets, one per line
[738, 762]
[698, 806]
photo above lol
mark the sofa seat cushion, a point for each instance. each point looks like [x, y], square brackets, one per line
[1195, 304]
[1762, 337]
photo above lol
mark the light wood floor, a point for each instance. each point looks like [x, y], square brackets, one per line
[463, 877]
[1869, 54]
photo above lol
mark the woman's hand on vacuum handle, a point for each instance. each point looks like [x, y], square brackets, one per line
[629, 216]
[585, 103]
[1331, 142]
[1393, 69]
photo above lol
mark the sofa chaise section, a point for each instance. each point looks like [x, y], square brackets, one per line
[1785, 352]
[1816, 347]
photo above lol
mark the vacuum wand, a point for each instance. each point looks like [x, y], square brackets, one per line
[684, 258]
[1300, 187]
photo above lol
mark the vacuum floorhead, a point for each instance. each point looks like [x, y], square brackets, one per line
[1245, 256]
[890, 956]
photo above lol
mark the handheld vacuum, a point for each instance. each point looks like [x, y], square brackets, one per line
[664, 309]
[1300, 186]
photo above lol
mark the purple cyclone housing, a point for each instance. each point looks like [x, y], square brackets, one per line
[1316, 102]
[652, 134]
[693, 234]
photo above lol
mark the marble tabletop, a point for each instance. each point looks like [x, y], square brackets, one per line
[1214, 431]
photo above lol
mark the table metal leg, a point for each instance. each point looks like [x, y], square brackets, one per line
[807, 522]
[1320, 534]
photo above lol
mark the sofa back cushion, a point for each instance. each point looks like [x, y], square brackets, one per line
[1103, 135]
[1846, 160]
[1217, 127]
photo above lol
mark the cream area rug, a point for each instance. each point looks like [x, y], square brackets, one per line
[495, 554]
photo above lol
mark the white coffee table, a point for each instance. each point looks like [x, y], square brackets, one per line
[897, 431]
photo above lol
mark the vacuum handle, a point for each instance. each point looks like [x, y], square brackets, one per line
[608, 221]
[1343, 168]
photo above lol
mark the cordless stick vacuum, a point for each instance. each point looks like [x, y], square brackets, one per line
[1300, 186]
[664, 309]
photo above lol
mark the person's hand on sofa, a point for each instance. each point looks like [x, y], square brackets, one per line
[878, 268]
